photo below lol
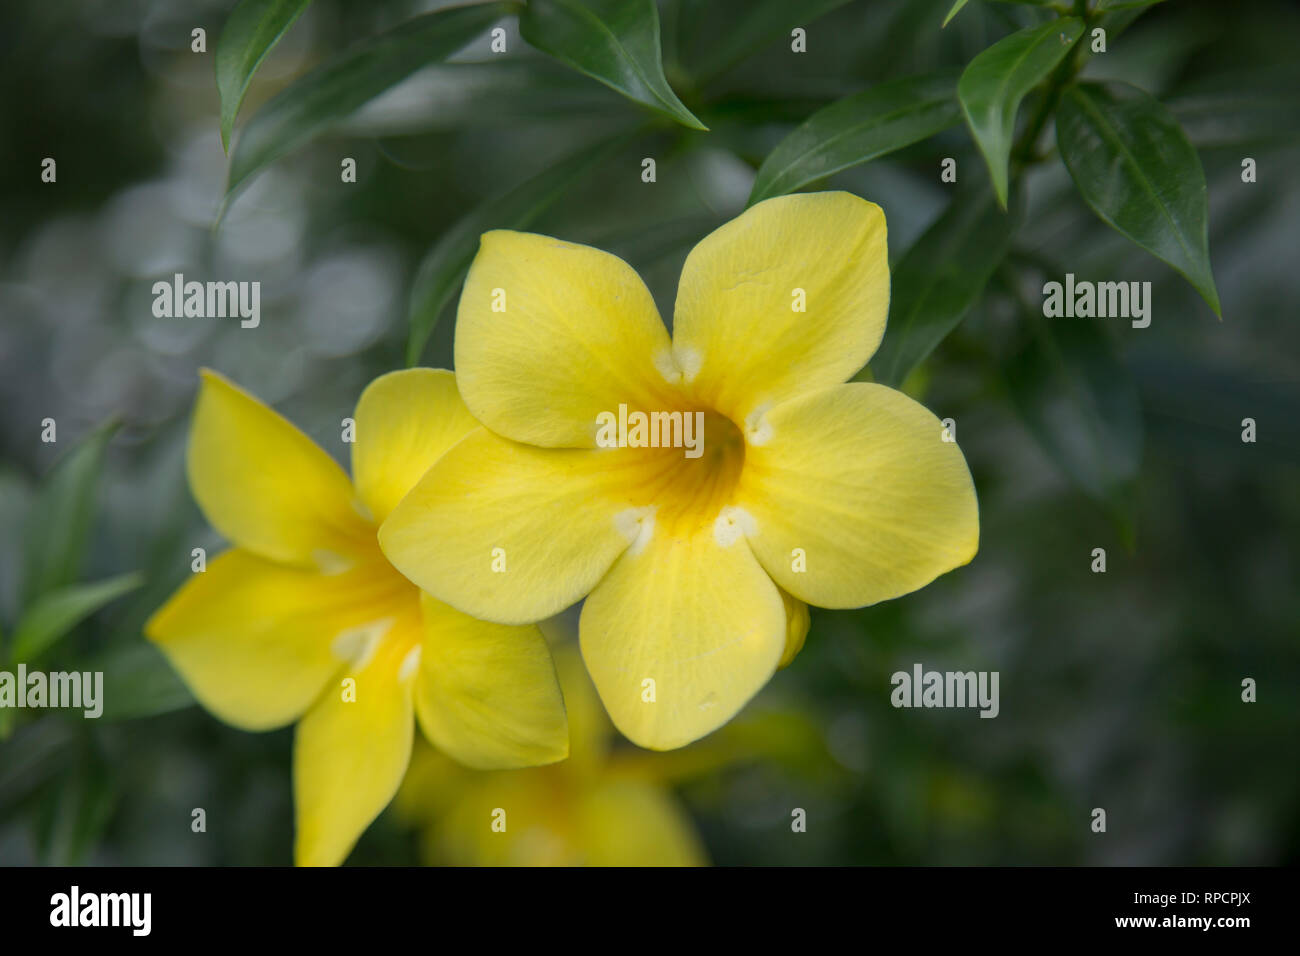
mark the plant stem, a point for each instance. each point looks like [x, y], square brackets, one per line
[1023, 152]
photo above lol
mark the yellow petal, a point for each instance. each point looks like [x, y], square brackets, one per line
[680, 634]
[350, 756]
[537, 818]
[590, 731]
[736, 330]
[521, 818]
[256, 641]
[266, 486]
[626, 823]
[855, 484]
[487, 694]
[405, 421]
[508, 532]
[432, 785]
[550, 334]
[796, 627]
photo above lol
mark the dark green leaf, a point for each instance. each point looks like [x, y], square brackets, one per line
[493, 93]
[33, 755]
[937, 281]
[1135, 168]
[1106, 6]
[336, 90]
[71, 820]
[857, 129]
[613, 41]
[956, 9]
[253, 29]
[994, 83]
[139, 682]
[757, 23]
[1238, 117]
[445, 264]
[59, 523]
[55, 613]
[1080, 402]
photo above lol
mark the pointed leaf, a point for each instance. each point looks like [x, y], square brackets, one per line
[857, 129]
[59, 522]
[335, 91]
[72, 816]
[937, 281]
[253, 29]
[36, 753]
[994, 83]
[1106, 6]
[57, 612]
[752, 25]
[139, 682]
[956, 9]
[613, 41]
[1135, 168]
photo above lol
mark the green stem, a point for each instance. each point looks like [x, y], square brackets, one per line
[1022, 153]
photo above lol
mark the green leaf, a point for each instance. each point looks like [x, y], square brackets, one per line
[857, 129]
[937, 281]
[613, 41]
[993, 84]
[1238, 116]
[1080, 402]
[57, 612]
[139, 682]
[1106, 6]
[59, 522]
[754, 24]
[1135, 168]
[253, 29]
[37, 752]
[445, 264]
[71, 819]
[956, 9]
[335, 91]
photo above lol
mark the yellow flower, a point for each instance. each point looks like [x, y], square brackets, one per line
[304, 618]
[807, 489]
[598, 808]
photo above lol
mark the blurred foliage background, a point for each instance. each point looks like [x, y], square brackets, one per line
[1118, 690]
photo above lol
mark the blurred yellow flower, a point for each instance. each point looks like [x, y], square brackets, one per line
[304, 618]
[695, 567]
[597, 808]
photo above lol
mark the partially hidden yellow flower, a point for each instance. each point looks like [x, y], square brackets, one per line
[598, 808]
[807, 489]
[304, 617]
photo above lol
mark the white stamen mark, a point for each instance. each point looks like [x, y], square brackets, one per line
[357, 645]
[361, 508]
[330, 562]
[410, 663]
[667, 367]
[689, 360]
[758, 430]
[637, 525]
[731, 524]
